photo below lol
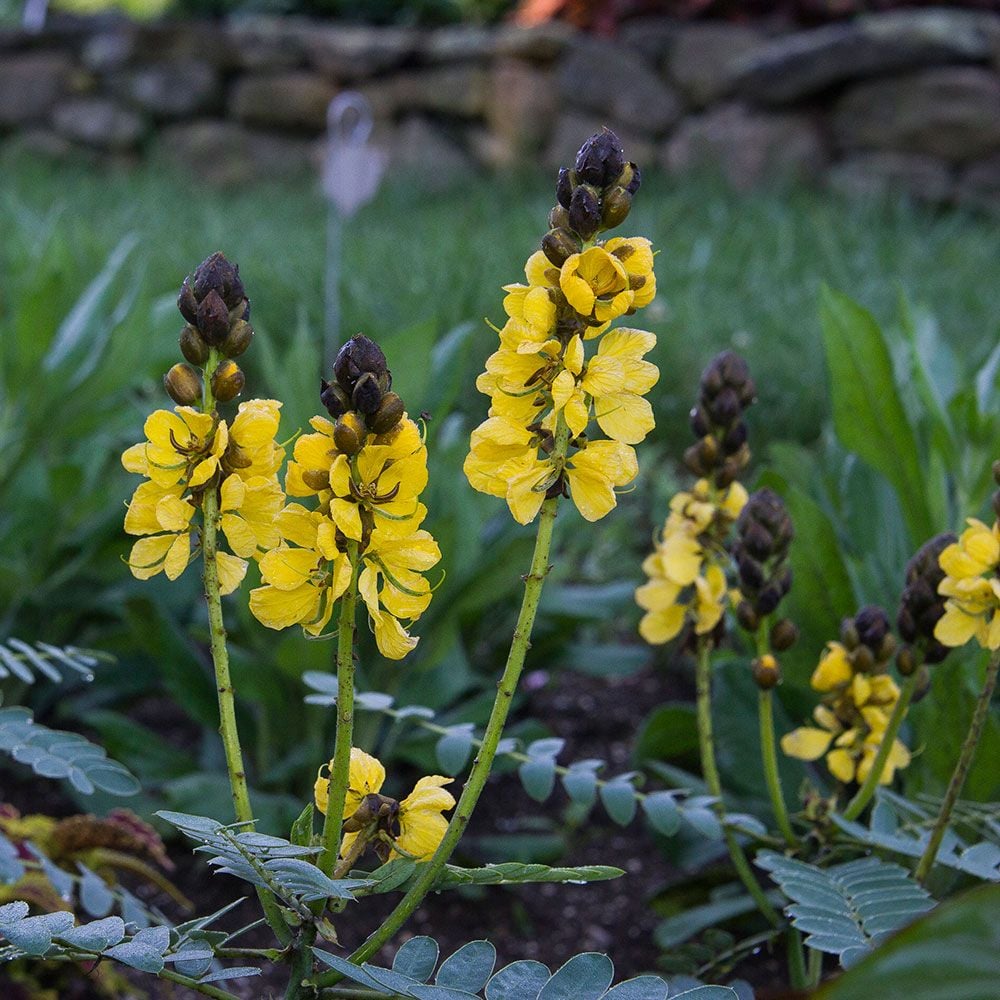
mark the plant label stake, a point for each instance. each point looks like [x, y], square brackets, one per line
[351, 173]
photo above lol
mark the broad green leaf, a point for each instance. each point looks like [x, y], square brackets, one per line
[583, 977]
[454, 748]
[669, 732]
[618, 798]
[469, 967]
[417, 958]
[580, 782]
[662, 812]
[640, 988]
[518, 981]
[949, 954]
[867, 412]
[98, 935]
[538, 777]
[33, 935]
[137, 956]
[95, 896]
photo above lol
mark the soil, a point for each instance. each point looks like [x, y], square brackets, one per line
[546, 922]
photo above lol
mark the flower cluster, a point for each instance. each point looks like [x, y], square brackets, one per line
[920, 605]
[860, 698]
[544, 389]
[410, 828]
[365, 471]
[190, 450]
[971, 586]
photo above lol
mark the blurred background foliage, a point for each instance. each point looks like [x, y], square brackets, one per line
[91, 264]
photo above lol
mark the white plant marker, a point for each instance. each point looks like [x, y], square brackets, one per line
[351, 173]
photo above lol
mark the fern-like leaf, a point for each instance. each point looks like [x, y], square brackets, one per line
[847, 909]
[28, 661]
[52, 753]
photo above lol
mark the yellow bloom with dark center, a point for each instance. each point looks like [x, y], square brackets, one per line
[312, 457]
[253, 432]
[636, 254]
[596, 285]
[302, 581]
[249, 508]
[421, 823]
[972, 588]
[534, 304]
[182, 447]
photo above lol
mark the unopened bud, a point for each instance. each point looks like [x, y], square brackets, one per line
[585, 212]
[218, 275]
[923, 683]
[560, 244]
[996, 472]
[193, 346]
[333, 397]
[213, 319]
[227, 381]
[906, 661]
[747, 616]
[238, 339]
[600, 159]
[389, 413]
[316, 479]
[187, 303]
[766, 672]
[358, 356]
[863, 660]
[183, 385]
[564, 186]
[366, 396]
[558, 218]
[615, 206]
[849, 634]
[784, 634]
[349, 433]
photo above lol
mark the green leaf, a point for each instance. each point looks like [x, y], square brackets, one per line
[302, 829]
[454, 748]
[417, 958]
[33, 935]
[867, 412]
[669, 732]
[949, 954]
[469, 967]
[519, 872]
[662, 812]
[847, 909]
[538, 777]
[95, 897]
[235, 972]
[583, 977]
[518, 981]
[618, 798]
[640, 988]
[683, 926]
[98, 935]
[580, 782]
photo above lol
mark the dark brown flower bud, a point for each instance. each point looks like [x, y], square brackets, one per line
[886, 648]
[366, 396]
[692, 460]
[585, 212]
[193, 346]
[784, 634]
[558, 218]
[600, 159]
[560, 244]
[388, 414]
[315, 479]
[872, 624]
[358, 356]
[725, 407]
[336, 401]
[923, 684]
[216, 274]
[849, 634]
[187, 303]
[349, 433]
[700, 424]
[238, 339]
[615, 206]
[920, 606]
[227, 381]
[564, 186]
[213, 319]
[766, 672]
[906, 661]
[747, 616]
[863, 659]
[183, 385]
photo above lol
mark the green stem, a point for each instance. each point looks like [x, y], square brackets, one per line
[796, 960]
[220, 661]
[961, 769]
[340, 767]
[481, 766]
[206, 989]
[815, 971]
[864, 794]
[706, 745]
[765, 705]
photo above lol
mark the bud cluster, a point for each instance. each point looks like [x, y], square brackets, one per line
[361, 398]
[214, 303]
[727, 391]
[593, 196]
[920, 605]
[868, 640]
[764, 534]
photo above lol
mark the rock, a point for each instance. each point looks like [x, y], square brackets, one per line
[355, 52]
[424, 154]
[573, 130]
[925, 178]
[747, 146]
[294, 100]
[264, 43]
[463, 43]
[100, 123]
[542, 43]
[979, 185]
[174, 90]
[223, 152]
[30, 85]
[462, 91]
[182, 41]
[704, 58]
[808, 62]
[609, 80]
[652, 37]
[952, 112]
[108, 51]
[520, 113]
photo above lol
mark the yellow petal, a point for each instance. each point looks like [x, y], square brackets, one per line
[420, 834]
[231, 571]
[834, 669]
[287, 568]
[841, 765]
[280, 609]
[659, 627]
[393, 641]
[955, 627]
[429, 794]
[806, 743]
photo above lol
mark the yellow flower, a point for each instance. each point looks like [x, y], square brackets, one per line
[596, 285]
[972, 588]
[636, 254]
[534, 303]
[398, 563]
[666, 612]
[301, 583]
[249, 509]
[595, 471]
[183, 447]
[419, 826]
[253, 433]
[835, 669]
[313, 454]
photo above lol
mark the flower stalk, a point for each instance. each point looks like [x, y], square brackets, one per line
[961, 769]
[864, 794]
[340, 766]
[709, 768]
[765, 709]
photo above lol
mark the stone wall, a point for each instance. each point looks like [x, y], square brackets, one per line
[909, 99]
